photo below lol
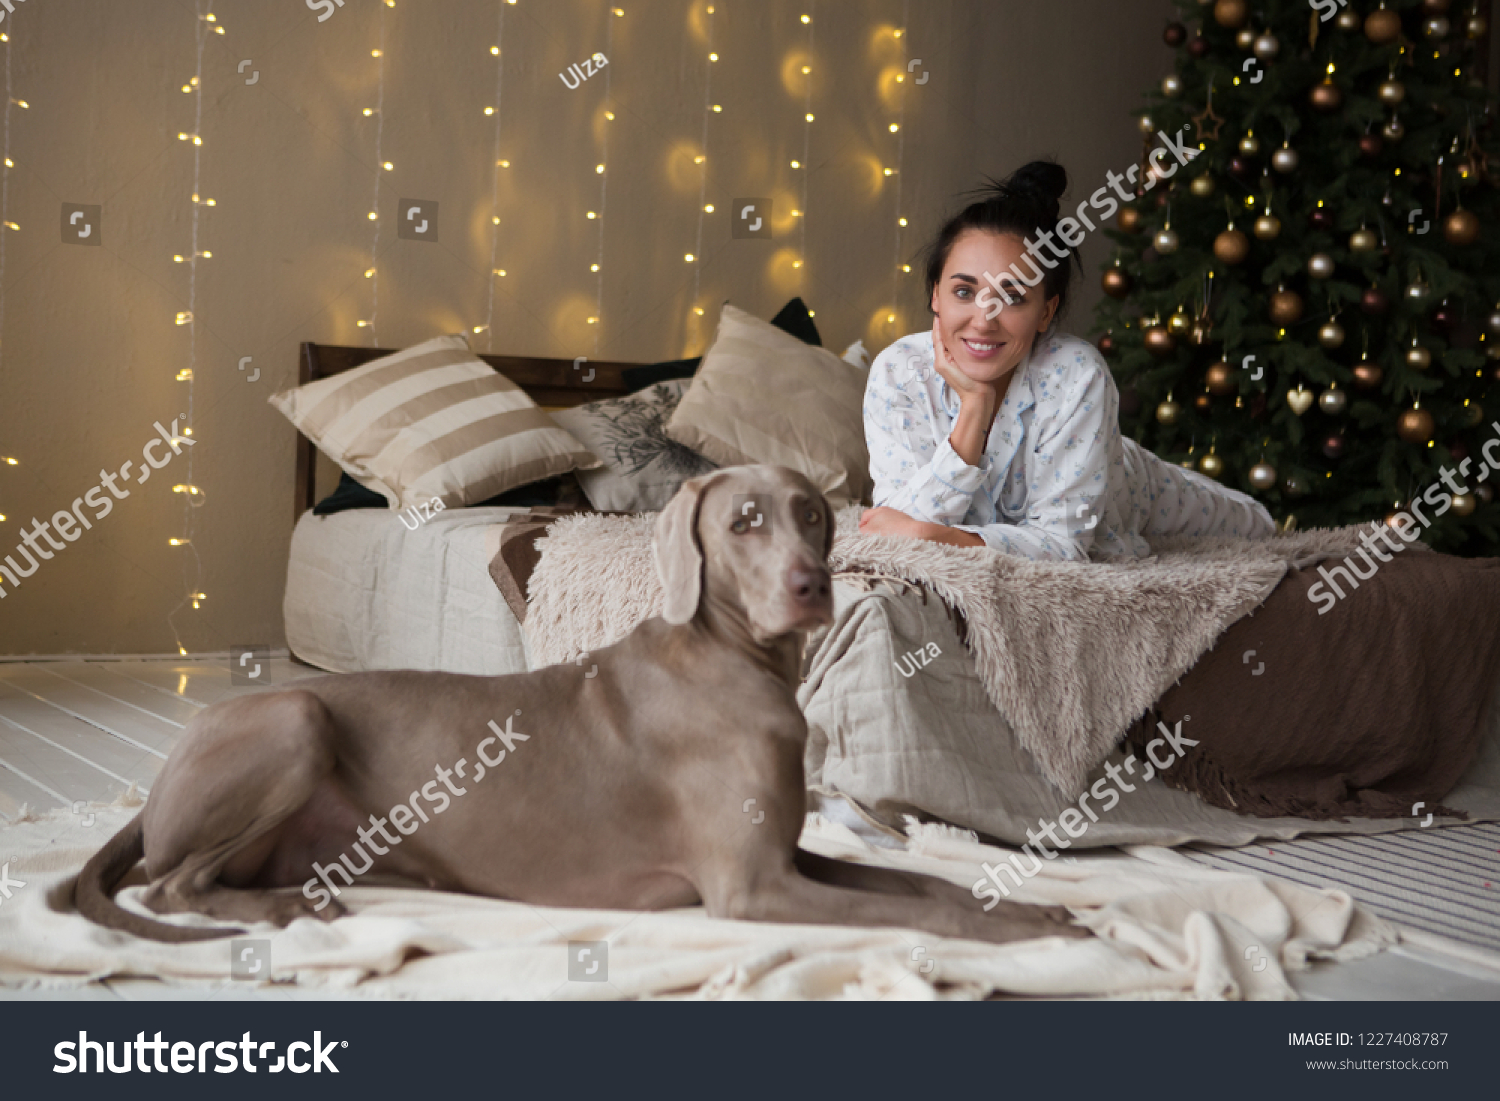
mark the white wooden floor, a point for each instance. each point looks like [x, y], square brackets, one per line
[86, 729]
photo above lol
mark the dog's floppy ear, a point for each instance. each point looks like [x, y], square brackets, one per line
[678, 551]
[828, 527]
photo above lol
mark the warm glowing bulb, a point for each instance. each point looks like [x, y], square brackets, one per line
[807, 19]
[592, 215]
[609, 115]
[375, 53]
[890, 318]
[796, 214]
[373, 216]
[809, 117]
[894, 127]
[713, 57]
[494, 221]
[489, 110]
[900, 221]
[618, 11]
[593, 267]
[369, 111]
[185, 375]
[178, 542]
[698, 159]
[796, 164]
[389, 167]
[599, 168]
[593, 321]
[709, 208]
[906, 268]
[369, 273]
[796, 263]
[696, 309]
[890, 171]
[500, 272]
[717, 108]
[898, 32]
[807, 70]
[900, 79]
[11, 462]
[688, 257]
[503, 164]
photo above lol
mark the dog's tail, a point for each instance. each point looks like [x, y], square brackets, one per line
[94, 892]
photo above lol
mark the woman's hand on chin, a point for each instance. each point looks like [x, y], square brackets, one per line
[890, 521]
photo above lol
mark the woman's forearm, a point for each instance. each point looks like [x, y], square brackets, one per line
[971, 429]
[940, 533]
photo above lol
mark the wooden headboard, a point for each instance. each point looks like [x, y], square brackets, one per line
[553, 383]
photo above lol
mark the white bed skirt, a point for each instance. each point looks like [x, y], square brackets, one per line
[363, 591]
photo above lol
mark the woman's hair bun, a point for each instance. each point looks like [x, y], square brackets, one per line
[1047, 181]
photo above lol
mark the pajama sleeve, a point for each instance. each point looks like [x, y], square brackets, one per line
[928, 481]
[1069, 488]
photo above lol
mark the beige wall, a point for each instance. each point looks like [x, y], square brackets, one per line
[90, 347]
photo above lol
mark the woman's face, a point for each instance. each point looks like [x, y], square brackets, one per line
[988, 349]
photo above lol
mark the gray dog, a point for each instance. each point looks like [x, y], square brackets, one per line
[623, 786]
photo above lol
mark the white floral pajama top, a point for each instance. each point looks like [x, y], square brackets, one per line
[1057, 481]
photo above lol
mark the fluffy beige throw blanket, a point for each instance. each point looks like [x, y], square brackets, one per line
[1070, 652]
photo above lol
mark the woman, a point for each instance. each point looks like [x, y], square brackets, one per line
[996, 430]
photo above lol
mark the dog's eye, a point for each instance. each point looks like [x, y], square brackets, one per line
[739, 527]
[811, 516]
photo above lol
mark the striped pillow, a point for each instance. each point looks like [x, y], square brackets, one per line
[432, 421]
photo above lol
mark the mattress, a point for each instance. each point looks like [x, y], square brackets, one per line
[364, 591]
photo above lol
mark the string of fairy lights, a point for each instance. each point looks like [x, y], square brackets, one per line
[5, 222]
[193, 497]
[808, 18]
[899, 129]
[372, 273]
[609, 114]
[496, 272]
[709, 107]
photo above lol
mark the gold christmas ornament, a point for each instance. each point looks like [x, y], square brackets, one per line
[1220, 379]
[1463, 504]
[1391, 93]
[1394, 130]
[1477, 24]
[1299, 400]
[1129, 219]
[1245, 39]
[1211, 465]
[1203, 403]
[1285, 159]
[1230, 13]
[1159, 342]
[1145, 125]
[1171, 86]
[1180, 324]
[1267, 47]
[1437, 27]
[1363, 240]
[1326, 97]
[1231, 247]
[1250, 145]
[1268, 227]
[1286, 307]
[1166, 241]
[1348, 20]
[1333, 401]
[1262, 476]
[1321, 266]
[1461, 228]
[1417, 292]
[1418, 358]
[1382, 26]
[1415, 425]
[1116, 281]
[1168, 412]
[1331, 335]
[1202, 186]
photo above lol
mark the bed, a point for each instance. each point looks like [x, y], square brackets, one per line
[365, 591]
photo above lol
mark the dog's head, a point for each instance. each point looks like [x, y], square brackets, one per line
[755, 537]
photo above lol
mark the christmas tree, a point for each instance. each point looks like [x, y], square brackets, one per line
[1309, 309]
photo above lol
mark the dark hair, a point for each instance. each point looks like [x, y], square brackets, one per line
[1028, 202]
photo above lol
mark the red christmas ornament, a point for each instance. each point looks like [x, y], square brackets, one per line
[1198, 47]
[1442, 317]
[1371, 145]
[1107, 344]
[1175, 35]
[1241, 167]
[1333, 446]
[1373, 302]
[1321, 218]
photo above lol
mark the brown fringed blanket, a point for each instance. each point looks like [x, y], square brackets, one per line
[1363, 711]
[1073, 654]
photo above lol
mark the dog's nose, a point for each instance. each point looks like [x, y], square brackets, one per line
[808, 587]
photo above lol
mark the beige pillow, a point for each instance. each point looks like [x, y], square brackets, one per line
[432, 421]
[762, 396]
